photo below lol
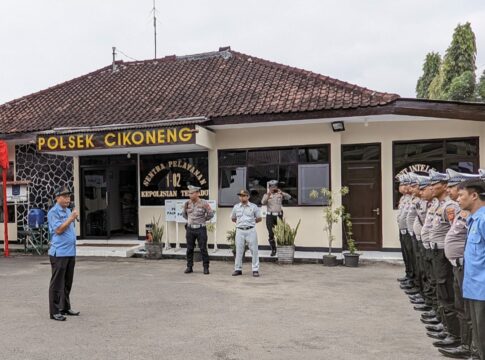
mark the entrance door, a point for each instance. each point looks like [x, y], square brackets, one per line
[95, 217]
[361, 173]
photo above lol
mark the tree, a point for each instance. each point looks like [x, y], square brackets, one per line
[481, 88]
[459, 58]
[431, 68]
[462, 87]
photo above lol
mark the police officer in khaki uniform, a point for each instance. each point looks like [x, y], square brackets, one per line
[274, 201]
[405, 237]
[444, 216]
[454, 250]
[197, 212]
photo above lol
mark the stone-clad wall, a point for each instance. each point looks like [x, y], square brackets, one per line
[46, 173]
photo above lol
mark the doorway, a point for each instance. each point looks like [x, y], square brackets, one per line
[109, 200]
[361, 173]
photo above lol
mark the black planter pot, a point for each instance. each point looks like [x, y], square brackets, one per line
[330, 260]
[351, 260]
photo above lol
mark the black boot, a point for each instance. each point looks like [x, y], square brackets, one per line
[273, 247]
[206, 270]
[188, 270]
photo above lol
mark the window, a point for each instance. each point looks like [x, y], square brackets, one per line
[298, 170]
[167, 176]
[420, 156]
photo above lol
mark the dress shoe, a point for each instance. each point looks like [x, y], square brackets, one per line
[417, 301]
[237, 273]
[412, 291]
[70, 312]
[188, 270]
[432, 321]
[273, 252]
[256, 273]
[402, 279]
[58, 317]
[437, 335]
[422, 307]
[428, 315]
[459, 352]
[206, 271]
[416, 297]
[406, 286]
[435, 328]
[448, 341]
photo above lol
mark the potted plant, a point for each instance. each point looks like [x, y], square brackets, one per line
[285, 238]
[351, 258]
[153, 242]
[331, 216]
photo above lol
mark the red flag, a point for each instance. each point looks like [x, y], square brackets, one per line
[4, 166]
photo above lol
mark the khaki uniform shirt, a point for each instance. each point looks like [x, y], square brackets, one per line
[411, 214]
[274, 202]
[428, 222]
[197, 213]
[403, 212]
[456, 238]
[421, 210]
[443, 218]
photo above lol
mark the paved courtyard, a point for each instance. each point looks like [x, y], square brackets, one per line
[138, 309]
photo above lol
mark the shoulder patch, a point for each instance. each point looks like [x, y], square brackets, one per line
[450, 213]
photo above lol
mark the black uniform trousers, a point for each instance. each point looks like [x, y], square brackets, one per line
[460, 307]
[443, 272]
[409, 255]
[61, 283]
[404, 255]
[416, 264]
[477, 315]
[429, 286]
[199, 235]
[271, 221]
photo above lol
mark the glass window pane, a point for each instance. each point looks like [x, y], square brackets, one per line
[257, 157]
[463, 147]
[232, 158]
[288, 156]
[258, 176]
[312, 177]
[361, 152]
[288, 182]
[314, 154]
[424, 150]
[231, 180]
[463, 166]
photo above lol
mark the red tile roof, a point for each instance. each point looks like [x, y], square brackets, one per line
[214, 85]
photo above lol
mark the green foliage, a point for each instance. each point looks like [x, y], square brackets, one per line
[481, 87]
[460, 57]
[211, 227]
[431, 68]
[231, 238]
[462, 87]
[157, 230]
[347, 220]
[331, 214]
[284, 234]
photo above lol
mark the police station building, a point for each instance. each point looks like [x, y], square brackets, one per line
[132, 135]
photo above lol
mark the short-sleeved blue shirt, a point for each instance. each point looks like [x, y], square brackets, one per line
[65, 243]
[474, 276]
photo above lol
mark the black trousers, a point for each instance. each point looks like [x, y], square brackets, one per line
[461, 309]
[430, 280]
[477, 315]
[404, 255]
[416, 264]
[271, 221]
[443, 272]
[61, 283]
[199, 235]
[409, 255]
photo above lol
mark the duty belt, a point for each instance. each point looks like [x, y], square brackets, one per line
[245, 227]
[196, 226]
[274, 213]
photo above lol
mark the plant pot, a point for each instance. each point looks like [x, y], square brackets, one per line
[351, 260]
[286, 254]
[153, 250]
[329, 260]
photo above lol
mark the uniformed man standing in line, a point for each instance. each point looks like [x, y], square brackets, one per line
[274, 201]
[402, 225]
[246, 215]
[442, 269]
[197, 211]
[62, 254]
[454, 252]
[471, 196]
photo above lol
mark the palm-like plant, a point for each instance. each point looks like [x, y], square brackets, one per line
[284, 234]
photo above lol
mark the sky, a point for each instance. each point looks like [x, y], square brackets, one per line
[378, 44]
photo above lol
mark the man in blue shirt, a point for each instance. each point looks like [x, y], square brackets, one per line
[62, 254]
[471, 197]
